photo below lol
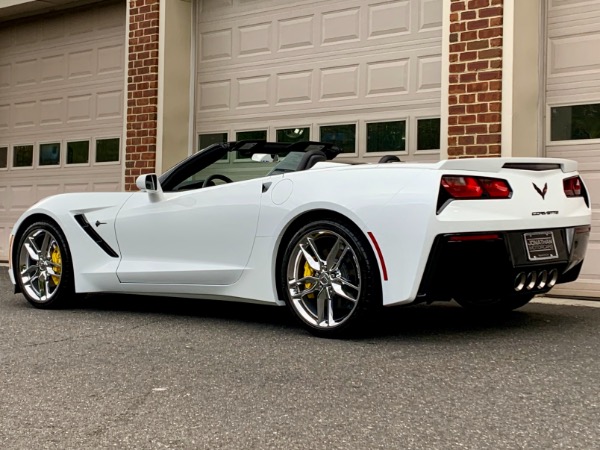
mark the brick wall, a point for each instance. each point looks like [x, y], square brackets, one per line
[475, 89]
[142, 90]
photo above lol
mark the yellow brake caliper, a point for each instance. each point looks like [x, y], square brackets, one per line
[308, 272]
[56, 259]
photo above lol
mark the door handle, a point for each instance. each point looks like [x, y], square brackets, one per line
[266, 186]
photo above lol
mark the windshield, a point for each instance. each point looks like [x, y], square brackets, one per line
[230, 167]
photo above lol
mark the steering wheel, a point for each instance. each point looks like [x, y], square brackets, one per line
[216, 176]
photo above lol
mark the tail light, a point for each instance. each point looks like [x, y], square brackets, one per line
[573, 187]
[462, 187]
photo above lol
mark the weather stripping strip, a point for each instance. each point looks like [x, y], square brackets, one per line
[82, 221]
[379, 255]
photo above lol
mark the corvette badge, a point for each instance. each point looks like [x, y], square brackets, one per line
[542, 192]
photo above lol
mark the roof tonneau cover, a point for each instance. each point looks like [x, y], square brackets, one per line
[497, 164]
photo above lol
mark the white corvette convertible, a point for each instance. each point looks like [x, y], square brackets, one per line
[286, 224]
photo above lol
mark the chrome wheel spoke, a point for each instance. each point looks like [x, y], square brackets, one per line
[337, 288]
[45, 248]
[321, 298]
[313, 247]
[331, 257]
[42, 285]
[28, 272]
[303, 280]
[306, 291]
[337, 263]
[312, 262]
[347, 283]
[330, 318]
[32, 249]
[53, 273]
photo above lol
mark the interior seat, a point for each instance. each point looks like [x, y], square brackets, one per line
[389, 159]
[310, 158]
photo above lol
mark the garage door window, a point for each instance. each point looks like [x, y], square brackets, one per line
[386, 136]
[23, 156]
[204, 140]
[249, 136]
[428, 134]
[49, 154]
[78, 152]
[343, 136]
[291, 135]
[3, 157]
[107, 150]
[575, 122]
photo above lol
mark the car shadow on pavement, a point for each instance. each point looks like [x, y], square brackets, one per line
[449, 319]
[174, 306]
[418, 321]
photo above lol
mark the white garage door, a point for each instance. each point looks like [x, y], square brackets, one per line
[573, 111]
[362, 73]
[61, 107]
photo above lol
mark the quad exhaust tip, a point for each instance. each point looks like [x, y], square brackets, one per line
[538, 280]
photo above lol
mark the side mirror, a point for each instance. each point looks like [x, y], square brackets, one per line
[149, 183]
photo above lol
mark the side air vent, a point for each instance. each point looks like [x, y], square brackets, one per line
[83, 223]
[537, 167]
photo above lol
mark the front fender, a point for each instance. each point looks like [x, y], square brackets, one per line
[94, 270]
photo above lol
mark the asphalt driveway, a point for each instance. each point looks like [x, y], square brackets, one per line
[139, 372]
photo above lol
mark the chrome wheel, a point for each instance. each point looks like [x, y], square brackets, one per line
[40, 265]
[323, 279]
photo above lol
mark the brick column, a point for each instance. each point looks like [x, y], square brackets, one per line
[142, 90]
[475, 84]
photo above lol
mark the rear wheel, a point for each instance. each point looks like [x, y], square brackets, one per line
[327, 277]
[43, 266]
[495, 304]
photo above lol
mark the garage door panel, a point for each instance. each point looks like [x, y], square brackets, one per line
[3, 199]
[572, 53]
[62, 69]
[61, 81]
[21, 197]
[573, 78]
[5, 228]
[344, 81]
[330, 27]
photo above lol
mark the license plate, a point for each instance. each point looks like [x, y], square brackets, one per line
[540, 246]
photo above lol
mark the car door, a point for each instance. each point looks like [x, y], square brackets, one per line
[196, 237]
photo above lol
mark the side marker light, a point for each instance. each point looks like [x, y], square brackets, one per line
[379, 255]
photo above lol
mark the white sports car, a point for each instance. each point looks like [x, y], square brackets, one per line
[286, 224]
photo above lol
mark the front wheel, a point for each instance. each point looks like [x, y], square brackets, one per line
[43, 266]
[494, 305]
[327, 277]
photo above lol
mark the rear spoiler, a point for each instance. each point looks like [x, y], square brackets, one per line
[497, 164]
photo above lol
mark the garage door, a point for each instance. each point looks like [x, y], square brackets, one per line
[573, 111]
[61, 107]
[363, 74]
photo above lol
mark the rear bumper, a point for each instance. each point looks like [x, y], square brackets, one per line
[497, 263]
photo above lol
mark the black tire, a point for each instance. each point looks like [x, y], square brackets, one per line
[494, 305]
[350, 272]
[46, 283]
